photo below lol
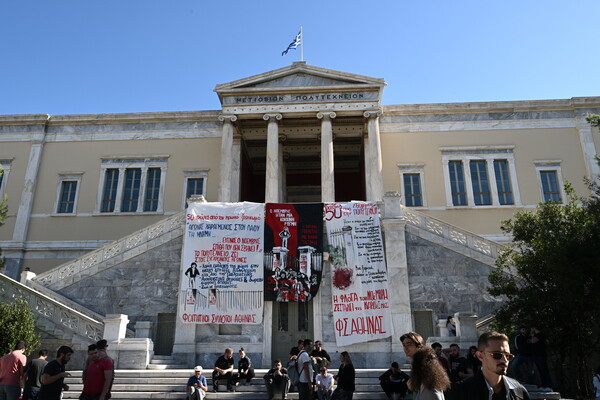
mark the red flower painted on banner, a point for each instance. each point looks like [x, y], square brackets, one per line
[342, 278]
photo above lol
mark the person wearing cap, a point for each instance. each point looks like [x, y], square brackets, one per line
[393, 382]
[197, 386]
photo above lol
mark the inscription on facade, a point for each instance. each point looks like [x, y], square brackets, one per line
[300, 98]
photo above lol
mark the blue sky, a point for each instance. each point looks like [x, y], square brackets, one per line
[85, 56]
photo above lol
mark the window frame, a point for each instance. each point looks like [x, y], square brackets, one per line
[412, 169]
[67, 177]
[122, 164]
[489, 154]
[6, 164]
[193, 174]
[555, 166]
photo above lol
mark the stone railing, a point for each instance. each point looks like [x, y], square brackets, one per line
[452, 233]
[125, 248]
[61, 315]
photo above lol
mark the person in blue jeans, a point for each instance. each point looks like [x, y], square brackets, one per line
[324, 384]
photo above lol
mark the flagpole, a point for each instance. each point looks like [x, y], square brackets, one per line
[301, 45]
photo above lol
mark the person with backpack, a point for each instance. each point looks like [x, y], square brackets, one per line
[303, 363]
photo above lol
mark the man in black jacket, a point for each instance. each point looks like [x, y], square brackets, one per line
[491, 382]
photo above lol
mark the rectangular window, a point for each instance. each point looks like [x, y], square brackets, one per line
[131, 190]
[550, 187]
[412, 190]
[457, 183]
[68, 191]
[134, 184]
[4, 170]
[480, 176]
[152, 189]
[480, 183]
[193, 184]
[505, 196]
[111, 183]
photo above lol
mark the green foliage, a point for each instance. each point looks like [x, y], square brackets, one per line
[593, 119]
[551, 278]
[17, 322]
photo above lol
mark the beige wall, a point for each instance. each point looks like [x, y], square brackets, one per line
[19, 153]
[530, 145]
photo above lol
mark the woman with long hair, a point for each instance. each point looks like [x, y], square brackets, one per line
[411, 342]
[345, 379]
[428, 378]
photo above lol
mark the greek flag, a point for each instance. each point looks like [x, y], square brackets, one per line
[295, 43]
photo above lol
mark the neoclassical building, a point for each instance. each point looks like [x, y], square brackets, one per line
[80, 186]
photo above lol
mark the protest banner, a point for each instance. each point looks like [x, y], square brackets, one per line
[359, 282]
[293, 251]
[221, 269]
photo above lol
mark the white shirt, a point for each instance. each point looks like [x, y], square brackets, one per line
[302, 359]
[325, 380]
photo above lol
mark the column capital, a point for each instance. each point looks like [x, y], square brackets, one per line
[372, 114]
[228, 118]
[326, 114]
[276, 116]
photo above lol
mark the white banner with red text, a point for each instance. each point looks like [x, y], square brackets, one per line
[222, 264]
[359, 280]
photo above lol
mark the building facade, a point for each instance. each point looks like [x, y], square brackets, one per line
[76, 183]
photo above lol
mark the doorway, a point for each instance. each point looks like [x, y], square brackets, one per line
[165, 334]
[291, 322]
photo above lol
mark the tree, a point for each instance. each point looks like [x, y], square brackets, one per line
[550, 276]
[17, 322]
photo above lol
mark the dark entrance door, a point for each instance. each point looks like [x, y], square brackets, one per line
[291, 322]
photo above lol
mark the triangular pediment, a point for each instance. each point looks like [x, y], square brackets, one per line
[299, 76]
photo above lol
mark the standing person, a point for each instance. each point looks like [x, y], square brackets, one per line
[345, 379]
[99, 376]
[451, 326]
[102, 353]
[33, 375]
[277, 379]
[324, 383]
[491, 382]
[411, 342]
[54, 375]
[538, 356]
[522, 346]
[459, 366]
[11, 372]
[245, 368]
[393, 382]
[305, 384]
[197, 386]
[223, 370]
[428, 378]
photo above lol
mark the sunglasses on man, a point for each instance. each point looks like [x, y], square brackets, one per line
[497, 355]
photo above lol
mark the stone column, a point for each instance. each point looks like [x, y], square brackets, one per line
[13, 268]
[236, 161]
[272, 160]
[375, 163]
[226, 157]
[394, 225]
[588, 148]
[327, 168]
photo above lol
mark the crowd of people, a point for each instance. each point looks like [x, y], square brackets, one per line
[435, 374]
[44, 380]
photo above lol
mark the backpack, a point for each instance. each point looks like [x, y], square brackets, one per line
[293, 371]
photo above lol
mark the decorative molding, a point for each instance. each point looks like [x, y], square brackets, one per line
[273, 117]
[326, 115]
[372, 114]
[228, 118]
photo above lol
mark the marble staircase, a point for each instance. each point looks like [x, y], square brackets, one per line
[170, 384]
